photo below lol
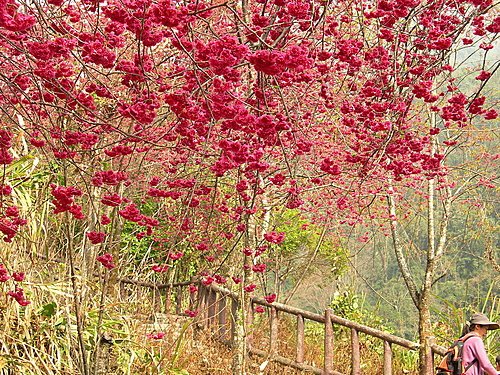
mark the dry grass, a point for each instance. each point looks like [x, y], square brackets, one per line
[38, 345]
[42, 339]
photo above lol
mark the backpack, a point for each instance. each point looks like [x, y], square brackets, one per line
[451, 364]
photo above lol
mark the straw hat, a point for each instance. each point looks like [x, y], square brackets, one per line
[482, 320]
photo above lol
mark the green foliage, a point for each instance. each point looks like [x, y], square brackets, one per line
[350, 305]
[451, 317]
[180, 343]
[314, 331]
[406, 360]
[303, 238]
[48, 310]
[134, 248]
[299, 234]
[138, 250]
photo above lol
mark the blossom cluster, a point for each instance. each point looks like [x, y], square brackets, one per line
[106, 260]
[10, 222]
[228, 113]
[109, 177]
[64, 200]
[5, 143]
[18, 293]
[10, 219]
[96, 237]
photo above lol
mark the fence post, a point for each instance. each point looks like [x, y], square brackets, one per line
[328, 356]
[387, 358]
[356, 363]
[300, 339]
[221, 312]
[202, 303]
[193, 296]
[178, 300]
[273, 340]
[156, 299]
[167, 300]
[212, 300]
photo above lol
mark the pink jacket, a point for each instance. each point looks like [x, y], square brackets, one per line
[474, 348]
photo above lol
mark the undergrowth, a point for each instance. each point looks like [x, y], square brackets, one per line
[126, 331]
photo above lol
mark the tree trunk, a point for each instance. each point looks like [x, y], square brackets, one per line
[239, 342]
[425, 336]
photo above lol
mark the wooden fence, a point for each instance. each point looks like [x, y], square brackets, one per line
[217, 306]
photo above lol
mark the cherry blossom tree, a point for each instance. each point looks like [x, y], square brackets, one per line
[215, 111]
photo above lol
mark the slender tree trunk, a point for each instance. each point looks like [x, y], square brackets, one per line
[425, 336]
[113, 245]
[421, 295]
[424, 315]
[97, 355]
[77, 302]
[239, 340]
[76, 289]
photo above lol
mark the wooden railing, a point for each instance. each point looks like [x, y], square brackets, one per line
[217, 306]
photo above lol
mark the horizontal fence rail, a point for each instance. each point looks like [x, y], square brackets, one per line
[217, 306]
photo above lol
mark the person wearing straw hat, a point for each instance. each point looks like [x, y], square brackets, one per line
[474, 353]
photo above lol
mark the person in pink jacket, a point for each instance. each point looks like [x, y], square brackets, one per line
[474, 353]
